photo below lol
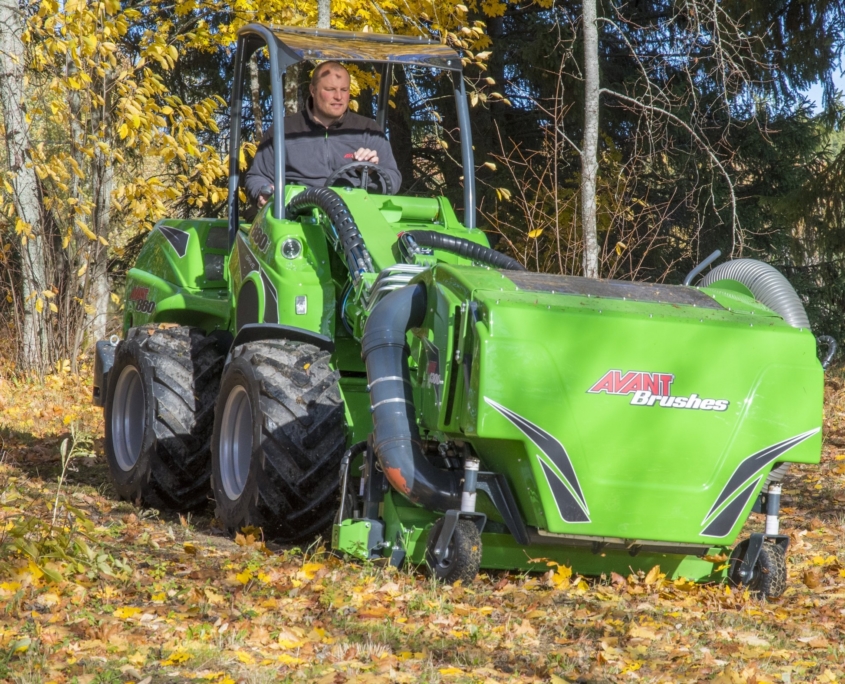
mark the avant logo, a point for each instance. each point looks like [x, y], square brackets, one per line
[139, 302]
[653, 389]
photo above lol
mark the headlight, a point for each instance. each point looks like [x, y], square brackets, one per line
[291, 248]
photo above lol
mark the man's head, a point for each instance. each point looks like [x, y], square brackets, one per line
[330, 92]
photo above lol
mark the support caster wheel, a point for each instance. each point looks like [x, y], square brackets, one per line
[767, 579]
[462, 559]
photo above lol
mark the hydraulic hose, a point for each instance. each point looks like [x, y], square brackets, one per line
[396, 439]
[465, 248]
[768, 286]
[358, 258]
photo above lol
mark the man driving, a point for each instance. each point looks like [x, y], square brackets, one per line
[322, 139]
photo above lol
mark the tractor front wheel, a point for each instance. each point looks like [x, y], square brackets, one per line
[159, 416]
[462, 559]
[768, 580]
[278, 440]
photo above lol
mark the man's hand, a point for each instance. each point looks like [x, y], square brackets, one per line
[367, 155]
[264, 195]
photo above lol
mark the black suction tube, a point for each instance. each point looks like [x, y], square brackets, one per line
[358, 258]
[465, 248]
[396, 439]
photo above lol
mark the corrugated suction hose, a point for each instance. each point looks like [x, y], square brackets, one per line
[768, 286]
[465, 248]
[396, 438]
[357, 257]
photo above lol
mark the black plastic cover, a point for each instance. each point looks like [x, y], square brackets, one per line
[612, 289]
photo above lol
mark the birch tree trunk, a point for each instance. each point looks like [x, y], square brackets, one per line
[589, 150]
[98, 292]
[324, 14]
[255, 94]
[34, 353]
[103, 184]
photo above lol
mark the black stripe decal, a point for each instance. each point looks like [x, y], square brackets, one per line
[271, 300]
[178, 239]
[753, 464]
[549, 446]
[567, 505]
[723, 523]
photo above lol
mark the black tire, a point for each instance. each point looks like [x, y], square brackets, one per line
[463, 555]
[279, 436]
[769, 579]
[159, 415]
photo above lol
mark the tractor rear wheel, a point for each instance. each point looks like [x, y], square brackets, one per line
[279, 436]
[159, 416]
[769, 573]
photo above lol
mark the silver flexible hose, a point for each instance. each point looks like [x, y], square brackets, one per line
[768, 286]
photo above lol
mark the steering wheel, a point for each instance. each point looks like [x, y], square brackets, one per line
[363, 169]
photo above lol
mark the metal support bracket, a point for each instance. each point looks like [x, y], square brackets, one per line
[346, 490]
[450, 522]
[496, 487]
[397, 553]
[375, 485]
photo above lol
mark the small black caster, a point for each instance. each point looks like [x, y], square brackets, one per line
[461, 558]
[766, 578]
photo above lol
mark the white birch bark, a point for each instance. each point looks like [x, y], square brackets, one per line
[255, 94]
[34, 338]
[589, 150]
[98, 292]
[324, 14]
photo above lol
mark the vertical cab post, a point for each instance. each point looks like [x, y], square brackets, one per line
[251, 38]
[466, 151]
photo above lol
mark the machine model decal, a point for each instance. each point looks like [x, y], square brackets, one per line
[724, 522]
[752, 465]
[653, 389]
[246, 259]
[259, 238]
[139, 298]
[178, 239]
[567, 490]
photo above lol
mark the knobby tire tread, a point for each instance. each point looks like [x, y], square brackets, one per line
[302, 439]
[186, 368]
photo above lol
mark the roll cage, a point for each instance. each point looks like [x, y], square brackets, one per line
[290, 45]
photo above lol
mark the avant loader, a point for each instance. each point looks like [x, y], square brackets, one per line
[365, 365]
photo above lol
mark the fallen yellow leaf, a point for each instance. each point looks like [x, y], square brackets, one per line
[126, 612]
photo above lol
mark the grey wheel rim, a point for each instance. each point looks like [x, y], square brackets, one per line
[236, 442]
[128, 417]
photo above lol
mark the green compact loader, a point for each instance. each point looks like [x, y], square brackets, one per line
[365, 364]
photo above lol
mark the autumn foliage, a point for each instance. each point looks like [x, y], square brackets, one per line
[97, 590]
[123, 130]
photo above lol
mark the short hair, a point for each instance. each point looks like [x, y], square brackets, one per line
[322, 69]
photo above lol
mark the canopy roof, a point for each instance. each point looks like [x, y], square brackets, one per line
[347, 46]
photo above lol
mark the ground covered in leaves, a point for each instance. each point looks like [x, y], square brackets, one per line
[97, 590]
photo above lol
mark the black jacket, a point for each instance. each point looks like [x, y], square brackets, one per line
[314, 152]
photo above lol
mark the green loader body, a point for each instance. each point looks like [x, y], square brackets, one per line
[608, 425]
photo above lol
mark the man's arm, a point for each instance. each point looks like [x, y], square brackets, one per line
[379, 144]
[260, 173]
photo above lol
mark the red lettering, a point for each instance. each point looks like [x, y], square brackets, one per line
[666, 380]
[632, 382]
[651, 382]
[613, 382]
[607, 383]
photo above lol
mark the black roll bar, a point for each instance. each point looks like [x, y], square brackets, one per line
[253, 37]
